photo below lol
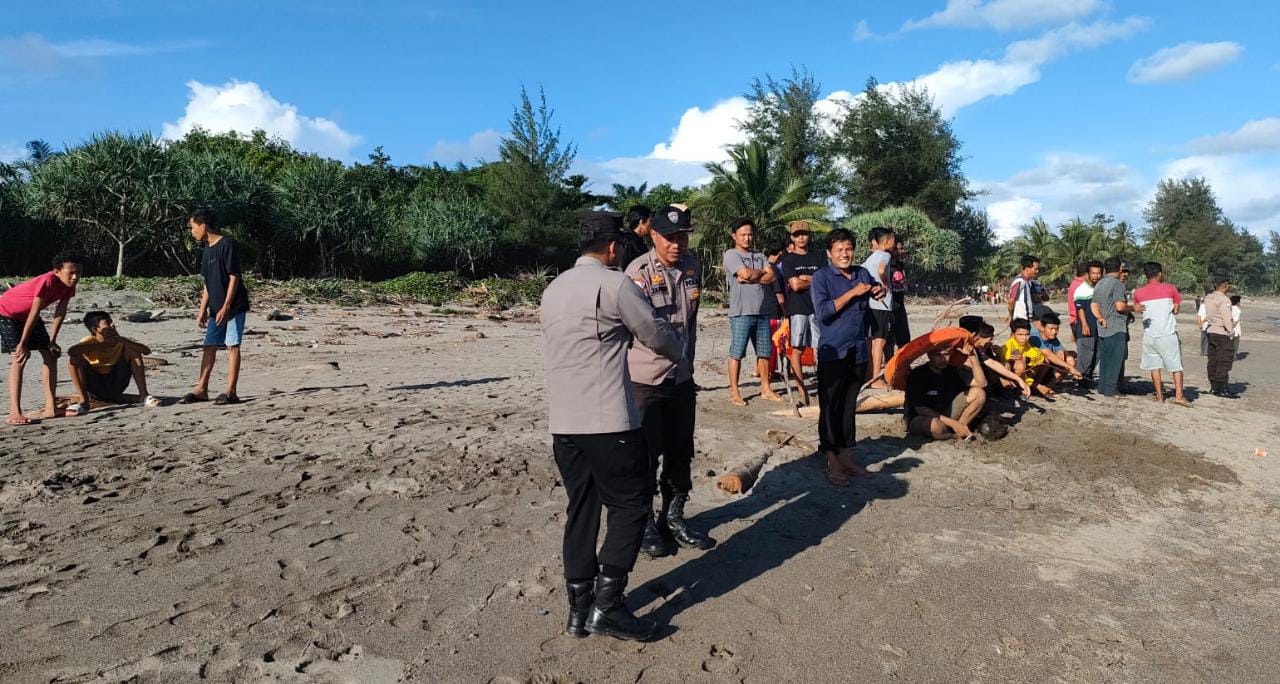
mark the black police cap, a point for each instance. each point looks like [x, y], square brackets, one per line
[670, 220]
[599, 224]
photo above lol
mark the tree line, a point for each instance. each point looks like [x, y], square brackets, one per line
[888, 157]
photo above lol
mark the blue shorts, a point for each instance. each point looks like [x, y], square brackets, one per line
[754, 328]
[228, 334]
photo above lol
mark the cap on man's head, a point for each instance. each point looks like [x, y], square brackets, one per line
[598, 224]
[1125, 265]
[671, 219]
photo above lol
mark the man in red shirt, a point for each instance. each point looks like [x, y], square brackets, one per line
[1082, 269]
[21, 330]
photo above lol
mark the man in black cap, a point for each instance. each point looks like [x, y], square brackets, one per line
[590, 315]
[668, 276]
[639, 222]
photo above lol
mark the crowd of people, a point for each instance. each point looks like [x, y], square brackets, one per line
[103, 363]
[620, 330]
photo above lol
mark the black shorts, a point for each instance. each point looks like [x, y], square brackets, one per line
[109, 386]
[11, 334]
[881, 325]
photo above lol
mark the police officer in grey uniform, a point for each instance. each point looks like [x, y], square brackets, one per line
[590, 315]
[665, 393]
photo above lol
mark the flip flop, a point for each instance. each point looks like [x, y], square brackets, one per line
[837, 477]
[1182, 402]
[224, 399]
[737, 401]
[151, 402]
[20, 420]
[76, 409]
[775, 397]
[192, 398]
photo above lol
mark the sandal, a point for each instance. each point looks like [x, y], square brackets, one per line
[151, 402]
[737, 401]
[837, 477]
[224, 399]
[193, 398]
[76, 409]
[1182, 402]
[20, 420]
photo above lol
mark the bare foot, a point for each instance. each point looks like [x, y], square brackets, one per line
[879, 384]
[52, 413]
[736, 400]
[835, 472]
[851, 466]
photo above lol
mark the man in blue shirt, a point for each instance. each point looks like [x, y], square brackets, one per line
[841, 294]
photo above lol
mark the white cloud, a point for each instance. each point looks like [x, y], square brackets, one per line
[1063, 40]
[703, 136]
[1183, 61]
[1259, 135]
[1007, 216]
[243, 106]
[1246, 188]
[1006, 15]
[863, 32]
[12, 152]
[480, 146]
[1063, 187]
[32, 54]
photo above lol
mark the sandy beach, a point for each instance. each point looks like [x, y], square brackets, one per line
[384, 507]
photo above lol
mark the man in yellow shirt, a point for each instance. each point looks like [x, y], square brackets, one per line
[1026, 361]
[103, 363]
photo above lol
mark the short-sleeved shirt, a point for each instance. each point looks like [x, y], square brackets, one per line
[1028, 351]
[1071, 297]
[873, 264]
[1054, 345]
[16, 301]
[101, 356]
[748, 299]
[1159, 301]
[935, 390]
[1109, 291]
[221, 261]
[1020, 293]
[794, 266]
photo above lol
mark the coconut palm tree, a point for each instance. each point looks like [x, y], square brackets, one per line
[750, 186]
[1077, 241]
[1036, 239]
[626, 196]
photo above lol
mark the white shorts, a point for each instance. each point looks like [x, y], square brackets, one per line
[1162, 353]
[804, 331]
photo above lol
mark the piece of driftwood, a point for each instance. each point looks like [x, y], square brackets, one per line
[741, 477]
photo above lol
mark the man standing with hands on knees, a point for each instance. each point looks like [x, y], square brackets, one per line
[590, 315]
[666, 397]
[841, 292]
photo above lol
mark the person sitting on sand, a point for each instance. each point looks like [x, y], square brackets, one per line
[22, 331]
[998, 375]
[103, 363]
[1026, 361]
[1060, 361]
[939, 403]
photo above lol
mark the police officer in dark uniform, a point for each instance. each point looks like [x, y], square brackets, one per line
[665, 393]
[590, 315]
[639, 220]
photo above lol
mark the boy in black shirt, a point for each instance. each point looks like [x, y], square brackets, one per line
[223, 305]
[940, 404]
[798, 268]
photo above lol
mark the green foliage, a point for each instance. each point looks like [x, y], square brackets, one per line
[455, 231]
[502, 293]
[116, 186]
[783, 118]
[528, 189]
[322, 206]
[752, 188]
[902, 152]
[930, 251]
[433, 288]
[1185, 211]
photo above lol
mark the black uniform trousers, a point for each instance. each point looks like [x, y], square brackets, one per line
[1222, 356]
[838, 383]
[610, 470]
[668, 412]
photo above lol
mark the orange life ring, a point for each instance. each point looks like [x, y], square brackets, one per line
[895, 372]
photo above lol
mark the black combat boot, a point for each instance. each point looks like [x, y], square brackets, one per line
[581, 595]
[680, 529]
[610, 617]
[657, 540]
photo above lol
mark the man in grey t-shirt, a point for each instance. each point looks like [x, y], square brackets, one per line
[751, 305]
[1111, 307]
[883, 242]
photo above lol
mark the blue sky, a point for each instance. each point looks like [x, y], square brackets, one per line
[1065, 107]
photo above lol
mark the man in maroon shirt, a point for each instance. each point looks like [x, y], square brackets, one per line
[21, 330]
